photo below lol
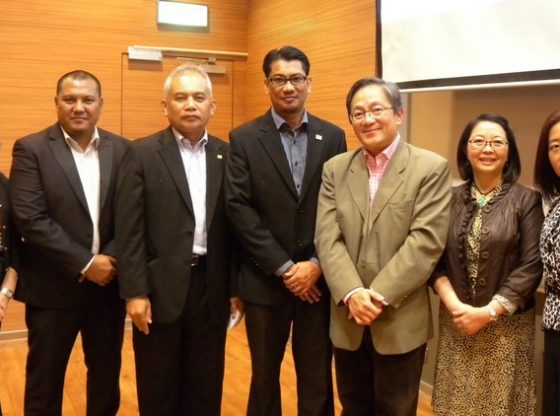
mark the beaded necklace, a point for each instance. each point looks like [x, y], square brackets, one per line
[482, 198]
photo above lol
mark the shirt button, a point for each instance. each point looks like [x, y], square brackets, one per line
[482, 281]
[485, 255]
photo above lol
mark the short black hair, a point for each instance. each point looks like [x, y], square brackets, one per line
[512, 168]
[391, 92]
[286, 53]
[545, 177]
[78, 74]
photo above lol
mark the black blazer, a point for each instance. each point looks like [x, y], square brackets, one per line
[156, 228]
[272, 222]
[51, 213]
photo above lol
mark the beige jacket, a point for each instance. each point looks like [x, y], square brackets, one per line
[391, 247]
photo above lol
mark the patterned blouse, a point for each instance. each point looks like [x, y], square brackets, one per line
[550, 253]
[473, 249]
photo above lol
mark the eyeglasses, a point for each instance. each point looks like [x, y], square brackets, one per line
[480, 142]
[280, 81]
[377, 111]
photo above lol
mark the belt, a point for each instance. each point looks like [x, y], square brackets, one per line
[197, 260]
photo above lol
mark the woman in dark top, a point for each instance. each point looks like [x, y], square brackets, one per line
[547, 179]
[487, 279]
[6, 259]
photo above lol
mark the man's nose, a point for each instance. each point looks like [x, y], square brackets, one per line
[79, 105]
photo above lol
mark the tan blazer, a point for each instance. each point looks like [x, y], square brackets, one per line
[391, 247]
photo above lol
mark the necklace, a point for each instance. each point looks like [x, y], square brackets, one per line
[482, 198]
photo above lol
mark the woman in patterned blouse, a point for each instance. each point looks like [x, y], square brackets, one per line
[547, 179]
[486, 279]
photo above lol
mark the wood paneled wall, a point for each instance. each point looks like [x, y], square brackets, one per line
[337, 36]
[42, 39]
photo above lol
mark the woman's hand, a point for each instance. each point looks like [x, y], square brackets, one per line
[471, 319]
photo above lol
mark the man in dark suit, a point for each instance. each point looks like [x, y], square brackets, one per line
[272, 182]
[62, 184]
[175, 254]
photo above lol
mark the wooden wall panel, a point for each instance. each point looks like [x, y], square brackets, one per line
[142, 92]
[42, 39]
[338, 37]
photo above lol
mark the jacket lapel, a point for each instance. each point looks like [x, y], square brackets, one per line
[105, 167]
[63, 155]
[315, 150]
[392, 180]
[169, 152]
[215, 160]
[272, 143]
[358, 182]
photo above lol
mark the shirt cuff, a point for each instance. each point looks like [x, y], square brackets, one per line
[83, 272]
[349, 294]
[505, 303]
[315, 260]
[284, 268]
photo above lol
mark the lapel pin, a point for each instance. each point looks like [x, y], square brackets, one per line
[219, 156]
[318, 137]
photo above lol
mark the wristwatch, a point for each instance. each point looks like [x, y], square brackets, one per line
[493, 314]
[9, 293]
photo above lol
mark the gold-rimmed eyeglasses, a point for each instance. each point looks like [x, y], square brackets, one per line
[496, 142]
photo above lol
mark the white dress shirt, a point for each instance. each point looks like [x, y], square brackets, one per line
[194, 163]
[87, 163]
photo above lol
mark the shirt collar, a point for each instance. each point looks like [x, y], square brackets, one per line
[387, 153]
[186, 142]
[94, 141]
[279, 121]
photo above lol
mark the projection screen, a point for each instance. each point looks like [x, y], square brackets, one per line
[447, 44]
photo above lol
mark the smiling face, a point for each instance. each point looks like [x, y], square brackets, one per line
[189, 105]
[375, 132]
[78, 107]
[487, 160]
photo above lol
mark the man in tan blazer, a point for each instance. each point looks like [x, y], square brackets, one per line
[382, 221]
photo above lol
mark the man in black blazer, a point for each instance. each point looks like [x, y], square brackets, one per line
[62, 188]
[272, 183]
[175, 254]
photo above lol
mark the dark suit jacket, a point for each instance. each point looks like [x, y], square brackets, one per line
[156, 228]
[51, 213]
[273, 223]
[9, 253]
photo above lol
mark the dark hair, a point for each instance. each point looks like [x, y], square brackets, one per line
[512, 168]
[286, 53]
[391, 92]
[545, 178]
[78, 74]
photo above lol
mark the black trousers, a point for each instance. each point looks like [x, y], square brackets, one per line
[52, 333]
[268, 330]
[551, 374]
[370, 383]
[180, 366]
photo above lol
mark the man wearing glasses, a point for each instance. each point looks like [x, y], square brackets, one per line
[272, 182]
[381, 227]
